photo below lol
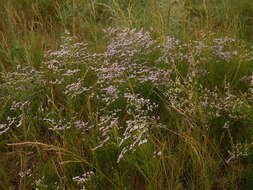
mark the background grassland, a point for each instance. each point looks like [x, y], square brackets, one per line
[192, 157]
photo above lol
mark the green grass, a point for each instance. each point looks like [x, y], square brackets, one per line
[195, 121]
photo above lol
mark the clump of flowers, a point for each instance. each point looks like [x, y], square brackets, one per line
[117, 93]
[85, 178]
[238, 151]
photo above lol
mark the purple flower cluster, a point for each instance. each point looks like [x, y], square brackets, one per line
[110, 92]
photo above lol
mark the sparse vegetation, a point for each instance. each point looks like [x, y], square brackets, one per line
[125, 94]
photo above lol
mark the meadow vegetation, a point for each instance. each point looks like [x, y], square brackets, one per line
[126, 94]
